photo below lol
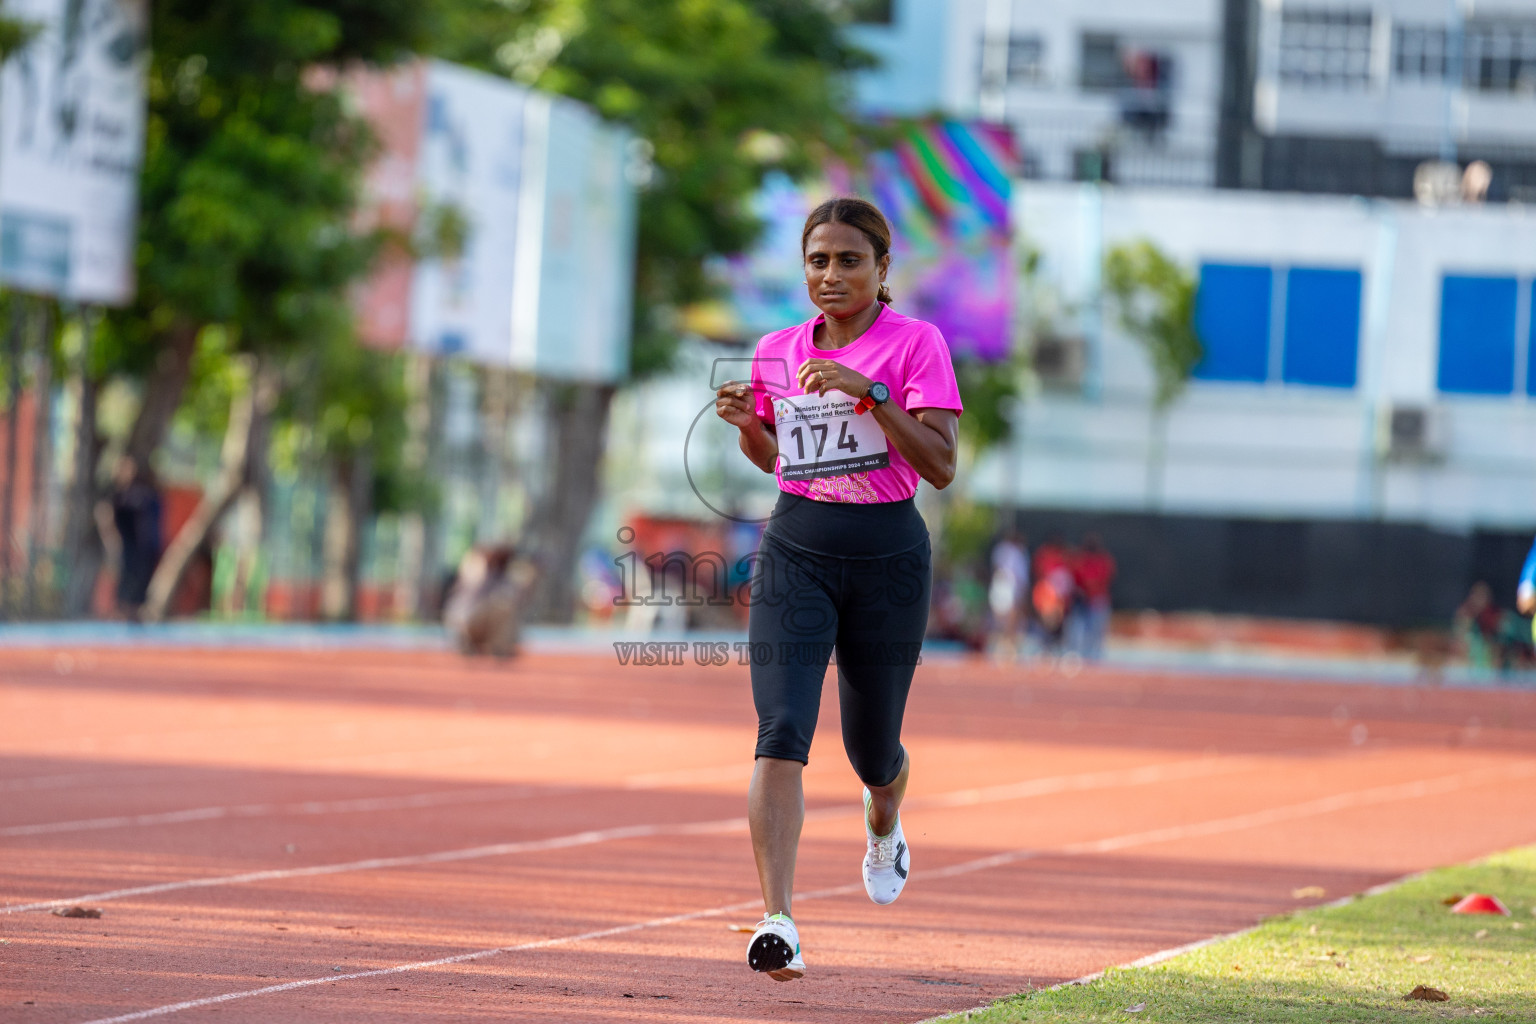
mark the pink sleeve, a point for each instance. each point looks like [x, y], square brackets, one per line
[759, 386]
[930, 382]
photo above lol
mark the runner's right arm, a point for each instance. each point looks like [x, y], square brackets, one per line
[736, 403]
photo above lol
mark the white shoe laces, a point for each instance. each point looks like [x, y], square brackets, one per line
[884, 846]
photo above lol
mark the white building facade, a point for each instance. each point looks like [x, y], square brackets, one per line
[1408, 73]
[1118, 89]
[1322, 317]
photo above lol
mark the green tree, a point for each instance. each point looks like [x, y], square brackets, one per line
[721, 92]
[14, 34]
[250, 185]
[1154, 302]
[349, 408]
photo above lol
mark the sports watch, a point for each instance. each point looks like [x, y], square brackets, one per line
[878, 394]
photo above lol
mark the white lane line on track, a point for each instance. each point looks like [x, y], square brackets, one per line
[1140, 776]
[1197, 768]
[126, 776]
[1342, 801]
[410, 861]
[479, 954]
[442, 798]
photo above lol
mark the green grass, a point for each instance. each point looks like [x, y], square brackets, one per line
[1350, 964]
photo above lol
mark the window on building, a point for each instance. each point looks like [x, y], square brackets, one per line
[1100, 67]
[1500, 56]
[1142, 76]
[1092, 165]
[1026, 59]
[1530, 349]
[1325, 48]
[1477, 335]
[872, 12]
[1322, 327]
[1419, 52]
[1319, 329]
[1232, 316]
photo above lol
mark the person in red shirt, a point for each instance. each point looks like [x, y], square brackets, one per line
[1051, 594]
[1093, 570]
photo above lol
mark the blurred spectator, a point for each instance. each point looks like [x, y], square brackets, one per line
[600, 584]
[486, 603]
[1493, 638]
[1052, 592]
[1093, 572]
[955, 613]
[1475, 181]
[659, 608]
[131, 529]
[1477, 625]
[1008, 594]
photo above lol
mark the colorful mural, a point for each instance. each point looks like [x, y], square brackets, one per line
[945, 187]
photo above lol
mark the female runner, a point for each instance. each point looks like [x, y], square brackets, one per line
[844, 562]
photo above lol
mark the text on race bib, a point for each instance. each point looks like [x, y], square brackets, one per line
[820, 436]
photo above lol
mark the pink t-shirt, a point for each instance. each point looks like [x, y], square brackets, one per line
[826, 451]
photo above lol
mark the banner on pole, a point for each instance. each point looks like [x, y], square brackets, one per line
[71, 145]
[544, 279]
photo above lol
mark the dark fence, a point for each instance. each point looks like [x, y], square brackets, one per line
[1391, 574]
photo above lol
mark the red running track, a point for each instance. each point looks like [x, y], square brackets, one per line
[385, 836]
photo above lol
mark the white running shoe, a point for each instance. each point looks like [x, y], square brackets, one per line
[886, 861]
[775, 949]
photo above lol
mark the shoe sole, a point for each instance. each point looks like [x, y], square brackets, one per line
[787, 974]
[769, 953]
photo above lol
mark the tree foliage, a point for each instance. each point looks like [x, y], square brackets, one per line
[14, 34]
[251, 182]
[720, 92]
[252, 166]
[348, 400]
[991, 392]
[1154, 302]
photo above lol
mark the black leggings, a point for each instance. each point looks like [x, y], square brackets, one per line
[869, 605]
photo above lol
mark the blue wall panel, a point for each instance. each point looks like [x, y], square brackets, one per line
[1322, 327]
[1477, 335]
[1530, 352]
[1232, 313]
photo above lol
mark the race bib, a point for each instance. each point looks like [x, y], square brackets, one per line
[820, 436]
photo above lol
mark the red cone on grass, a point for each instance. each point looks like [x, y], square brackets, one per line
[1477, 903]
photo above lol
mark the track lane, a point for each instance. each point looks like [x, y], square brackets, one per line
[1211, 852]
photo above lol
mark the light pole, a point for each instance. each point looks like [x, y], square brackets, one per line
[996, 38]
[1454, 50]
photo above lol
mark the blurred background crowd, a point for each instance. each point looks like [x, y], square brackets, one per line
[407, 311]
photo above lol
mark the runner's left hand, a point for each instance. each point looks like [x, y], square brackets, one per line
[823, 375]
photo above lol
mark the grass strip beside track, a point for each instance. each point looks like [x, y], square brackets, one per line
[1347, 963]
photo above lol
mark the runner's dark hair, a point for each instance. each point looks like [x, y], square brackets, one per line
[856, 213]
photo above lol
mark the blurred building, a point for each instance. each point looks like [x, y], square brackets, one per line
[1354, 97]
[1359, 440]
[1117, 90]
[1326, 95]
